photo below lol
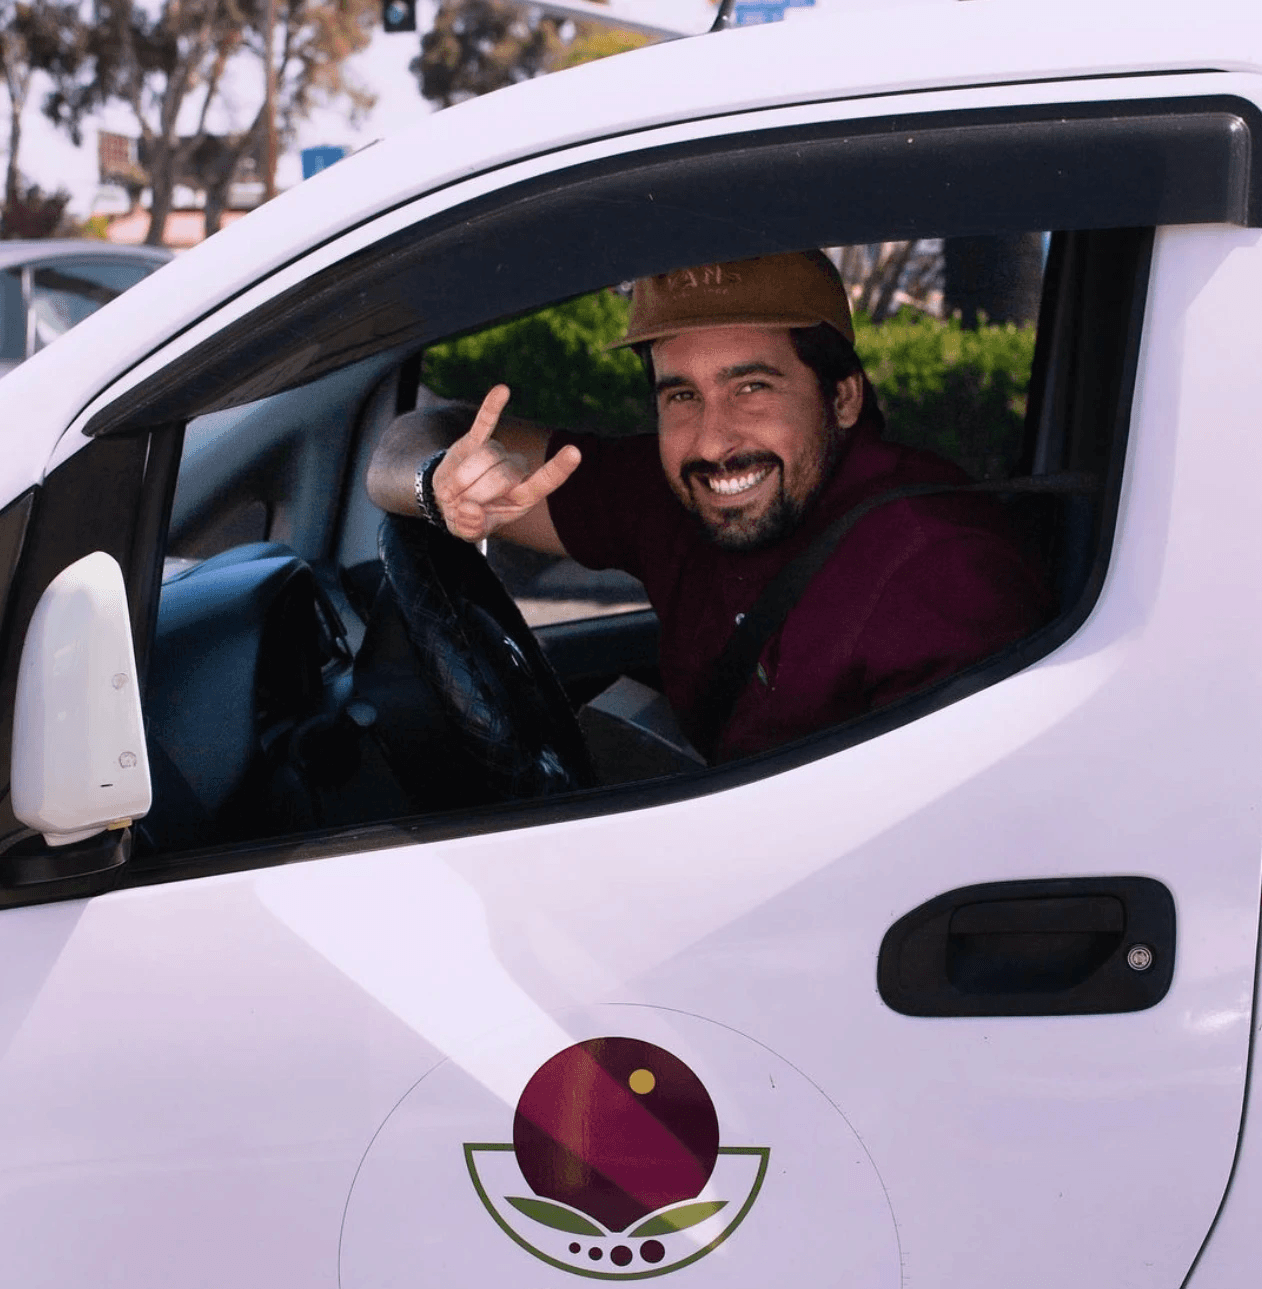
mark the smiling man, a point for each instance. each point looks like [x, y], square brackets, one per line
[768, 432]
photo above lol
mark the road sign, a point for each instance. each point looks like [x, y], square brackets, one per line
[316, 159]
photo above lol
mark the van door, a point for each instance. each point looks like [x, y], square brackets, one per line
[959, 988]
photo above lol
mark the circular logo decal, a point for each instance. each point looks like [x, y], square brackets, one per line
[662, 1144]
[618, 1141]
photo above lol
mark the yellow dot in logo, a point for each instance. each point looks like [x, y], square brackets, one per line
[642, 1082]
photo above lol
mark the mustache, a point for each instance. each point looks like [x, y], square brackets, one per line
[700, 468]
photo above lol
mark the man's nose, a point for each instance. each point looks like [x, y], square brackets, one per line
[715, 431]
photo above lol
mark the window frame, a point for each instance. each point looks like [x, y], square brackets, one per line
[1129, 310]
[157, 408]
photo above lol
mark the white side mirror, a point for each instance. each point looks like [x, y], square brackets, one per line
[79, 759]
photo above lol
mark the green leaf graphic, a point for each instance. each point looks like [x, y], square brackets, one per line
[678, 1219]
[553, 1215]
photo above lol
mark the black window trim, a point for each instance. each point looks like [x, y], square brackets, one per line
[1142, 162]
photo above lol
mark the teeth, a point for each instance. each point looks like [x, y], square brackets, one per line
[742, 482]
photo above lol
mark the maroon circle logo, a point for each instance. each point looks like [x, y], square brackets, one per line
[617, 1142]
[616, 1128]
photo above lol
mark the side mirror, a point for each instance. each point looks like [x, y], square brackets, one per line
[79, 759]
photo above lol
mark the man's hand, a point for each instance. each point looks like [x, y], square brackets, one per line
[481, 486]
[476, 484]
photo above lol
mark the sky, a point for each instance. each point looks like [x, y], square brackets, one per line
[49, 158]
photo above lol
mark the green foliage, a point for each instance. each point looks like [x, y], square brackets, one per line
[955, 392]
[95, 226]
[959, 393]
[593, 43]
[476, 46]
[555, 363]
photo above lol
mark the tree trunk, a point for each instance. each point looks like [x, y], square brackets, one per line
[12, 176]
[162, 186]
[883, 306]
[1000, 278]
[216, 200]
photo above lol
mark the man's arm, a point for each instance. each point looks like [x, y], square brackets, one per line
[483, 485]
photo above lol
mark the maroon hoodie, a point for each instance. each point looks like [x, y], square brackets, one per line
[917, 590]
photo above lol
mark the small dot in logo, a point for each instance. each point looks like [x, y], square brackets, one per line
[652, 1251]
[576, 1247]
[620, 1255]
[642, 1082]
[595, 1253]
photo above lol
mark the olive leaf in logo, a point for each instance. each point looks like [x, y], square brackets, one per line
[553, 1215]
[678, 1219]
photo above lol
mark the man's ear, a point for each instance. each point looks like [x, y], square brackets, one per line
[849, 401]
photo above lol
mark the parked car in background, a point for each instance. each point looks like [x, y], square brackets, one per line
[47, 287]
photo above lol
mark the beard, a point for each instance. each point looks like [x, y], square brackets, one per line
[741, 528]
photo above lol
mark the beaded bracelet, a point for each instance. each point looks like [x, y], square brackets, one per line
[426, 501]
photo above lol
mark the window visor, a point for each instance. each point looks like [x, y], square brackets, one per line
[1065, 166]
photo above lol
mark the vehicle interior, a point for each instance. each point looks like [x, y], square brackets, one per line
[315, 667]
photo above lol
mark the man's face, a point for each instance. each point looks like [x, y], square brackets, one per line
[745, 438]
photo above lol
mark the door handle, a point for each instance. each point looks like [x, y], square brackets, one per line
[1050, 947]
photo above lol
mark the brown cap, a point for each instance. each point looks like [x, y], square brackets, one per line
[798, 289]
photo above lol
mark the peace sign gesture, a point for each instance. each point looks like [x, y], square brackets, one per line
[481, 486]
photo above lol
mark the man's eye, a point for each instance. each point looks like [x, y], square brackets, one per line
[752, 386]
[678, 395]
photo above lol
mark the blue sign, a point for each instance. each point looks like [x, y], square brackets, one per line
[316, 159]
[753, 12]
[750, 13]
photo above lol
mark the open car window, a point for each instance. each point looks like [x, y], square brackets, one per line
[285, 694]
[280, 706]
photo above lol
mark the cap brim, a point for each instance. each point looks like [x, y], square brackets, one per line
[714, 323]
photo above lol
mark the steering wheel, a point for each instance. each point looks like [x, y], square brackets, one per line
[493, 682]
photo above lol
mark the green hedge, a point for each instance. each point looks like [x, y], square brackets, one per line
[959, 393]
[555, 363]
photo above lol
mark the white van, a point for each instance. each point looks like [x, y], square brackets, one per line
[960, 993]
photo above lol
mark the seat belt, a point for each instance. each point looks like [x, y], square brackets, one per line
[735, 665]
